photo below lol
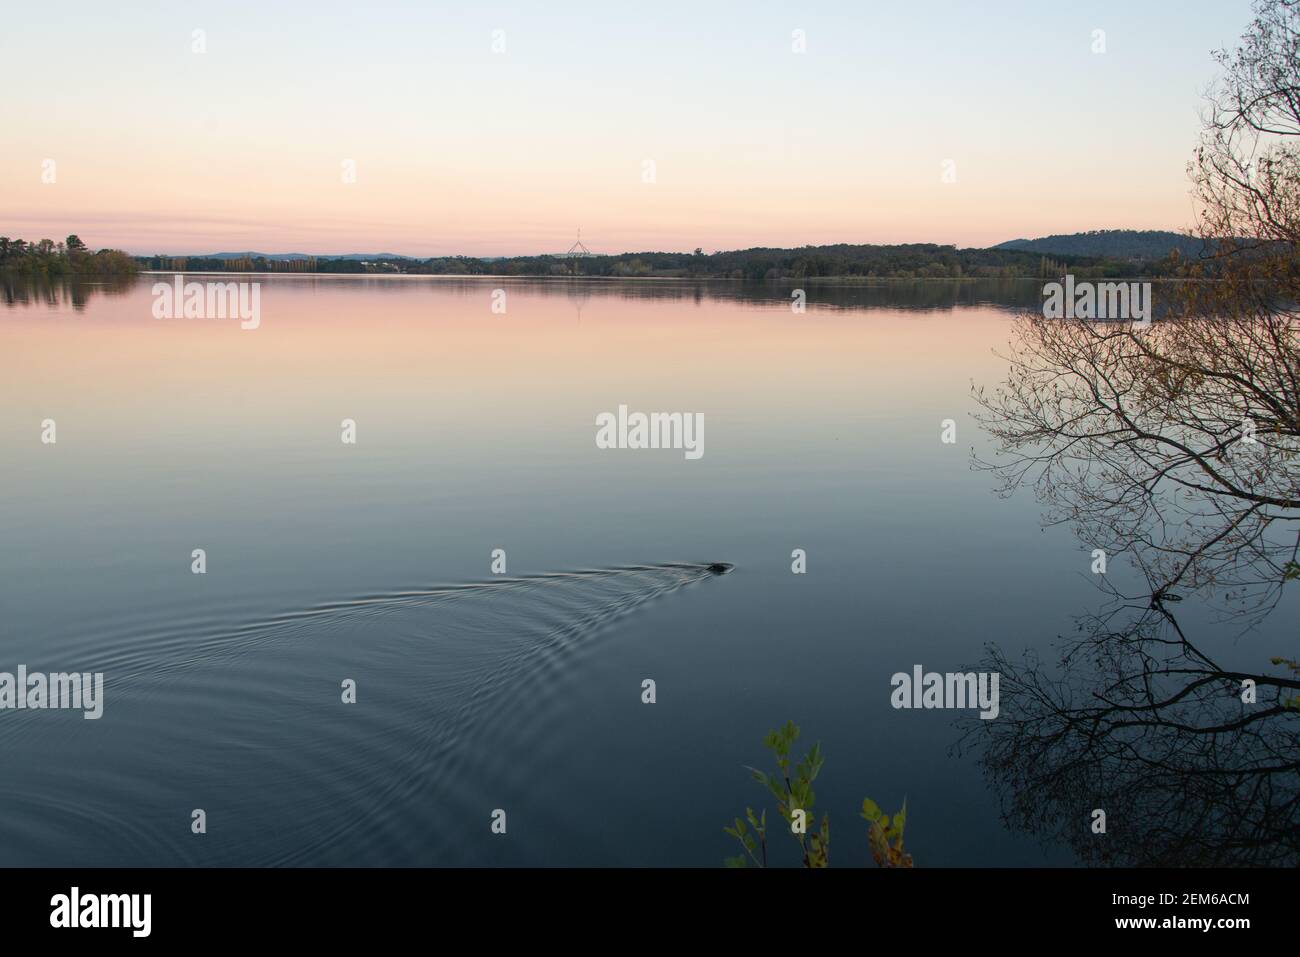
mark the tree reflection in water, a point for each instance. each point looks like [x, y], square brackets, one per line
[18, 290]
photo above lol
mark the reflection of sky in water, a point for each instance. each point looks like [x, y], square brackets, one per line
[476, 431]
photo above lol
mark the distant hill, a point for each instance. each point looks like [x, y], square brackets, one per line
[1148, 244]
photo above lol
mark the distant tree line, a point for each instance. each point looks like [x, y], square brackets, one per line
[911, 261]
[68, 258]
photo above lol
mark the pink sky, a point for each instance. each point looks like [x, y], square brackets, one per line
[458, 148]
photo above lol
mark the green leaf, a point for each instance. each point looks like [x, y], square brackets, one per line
[814, 761]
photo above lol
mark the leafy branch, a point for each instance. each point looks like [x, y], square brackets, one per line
[792, 789]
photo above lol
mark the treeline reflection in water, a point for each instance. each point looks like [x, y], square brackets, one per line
[1011, 294]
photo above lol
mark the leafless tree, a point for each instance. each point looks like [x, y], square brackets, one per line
[1176, 446]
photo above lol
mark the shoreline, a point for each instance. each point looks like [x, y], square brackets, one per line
[847, 280]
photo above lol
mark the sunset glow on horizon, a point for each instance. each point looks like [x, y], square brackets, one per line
[458, 147]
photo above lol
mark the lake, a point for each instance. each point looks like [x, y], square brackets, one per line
[495, 586]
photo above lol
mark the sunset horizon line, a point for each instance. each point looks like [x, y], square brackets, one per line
[288, 250]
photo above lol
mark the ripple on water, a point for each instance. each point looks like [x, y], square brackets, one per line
[246, 722]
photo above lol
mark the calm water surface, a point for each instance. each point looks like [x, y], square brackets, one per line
[522, 691]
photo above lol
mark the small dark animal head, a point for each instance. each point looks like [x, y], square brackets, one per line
[721, 568]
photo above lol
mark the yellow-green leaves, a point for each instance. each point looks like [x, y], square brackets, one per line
[792, 790]
[885, 834]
